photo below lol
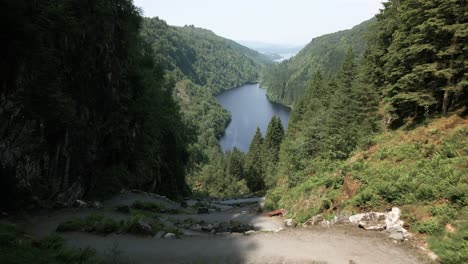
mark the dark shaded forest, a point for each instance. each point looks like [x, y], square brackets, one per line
[85, 108]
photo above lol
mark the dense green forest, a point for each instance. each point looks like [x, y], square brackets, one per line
[84, 108]
[208, 60]
[98, 104]
[388, 129]
[287, 81]
[202, 64]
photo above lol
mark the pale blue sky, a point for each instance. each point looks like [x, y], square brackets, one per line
[272, 21]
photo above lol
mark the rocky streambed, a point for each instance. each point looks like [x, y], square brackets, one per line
[148, 228]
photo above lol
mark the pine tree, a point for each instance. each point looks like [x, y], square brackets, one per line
[235, 164]
[419, 57]
[255, 163]
[273, 138]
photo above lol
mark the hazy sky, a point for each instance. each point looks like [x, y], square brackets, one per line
[272, 21]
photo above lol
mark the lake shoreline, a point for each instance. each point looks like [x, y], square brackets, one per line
[249, 108]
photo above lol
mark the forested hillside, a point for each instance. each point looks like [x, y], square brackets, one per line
[202, 64]
[387, 130]
[84, 109]
[205, 58]
[286, 82]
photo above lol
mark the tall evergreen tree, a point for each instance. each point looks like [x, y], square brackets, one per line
[273, 139]
[235, 164]
[419, 57]
[255, 163]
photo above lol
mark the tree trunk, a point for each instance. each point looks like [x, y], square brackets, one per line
[445, 102]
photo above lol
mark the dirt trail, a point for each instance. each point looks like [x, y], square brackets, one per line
[319, 244]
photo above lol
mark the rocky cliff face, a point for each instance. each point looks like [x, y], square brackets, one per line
[37, 165]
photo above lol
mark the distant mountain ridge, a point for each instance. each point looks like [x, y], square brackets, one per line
[286, 81]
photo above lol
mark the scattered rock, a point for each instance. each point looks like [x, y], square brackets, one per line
[145, 228]
[241, 228]
[159, 235]
[394, 226]
[183, 204]
[97, 205]
[250, 232]
[203, 210]
[390, 222]
[80, 204]
[370, 221]
[393, 218]
[396, 236]
[66, 198]
[340, 220]
[170, 236]
[289, 223]
[316, 220]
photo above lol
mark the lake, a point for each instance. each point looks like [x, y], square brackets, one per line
[249, 109]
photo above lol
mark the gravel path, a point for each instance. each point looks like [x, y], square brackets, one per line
[338, 244]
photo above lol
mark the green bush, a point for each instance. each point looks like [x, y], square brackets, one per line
[93, 224]
[458, 194]
[16, 247]
[429, 227]
[367, 198]
[444, 213]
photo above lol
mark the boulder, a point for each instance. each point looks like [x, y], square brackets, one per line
[207, 227]
[170, 236]
[316, 220]
[370, 221]
[340, 220]
[66, 198]
[97, 205]
[159, 235]
[393, 218]
[396, 236]
[145, 228]
[241, 228]
[390, 222]
[394, 226]
[80, 204]
[250, 232]
[289, 223]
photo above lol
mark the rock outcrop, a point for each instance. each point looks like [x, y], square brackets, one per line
[389, 221]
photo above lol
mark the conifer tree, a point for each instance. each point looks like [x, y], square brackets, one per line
[255, 163]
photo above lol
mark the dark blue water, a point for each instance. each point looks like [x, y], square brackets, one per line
[249, 109]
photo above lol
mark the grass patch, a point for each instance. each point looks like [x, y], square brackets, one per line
[17, 247]
[452, 248]
[98, 224]
[153, 207]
